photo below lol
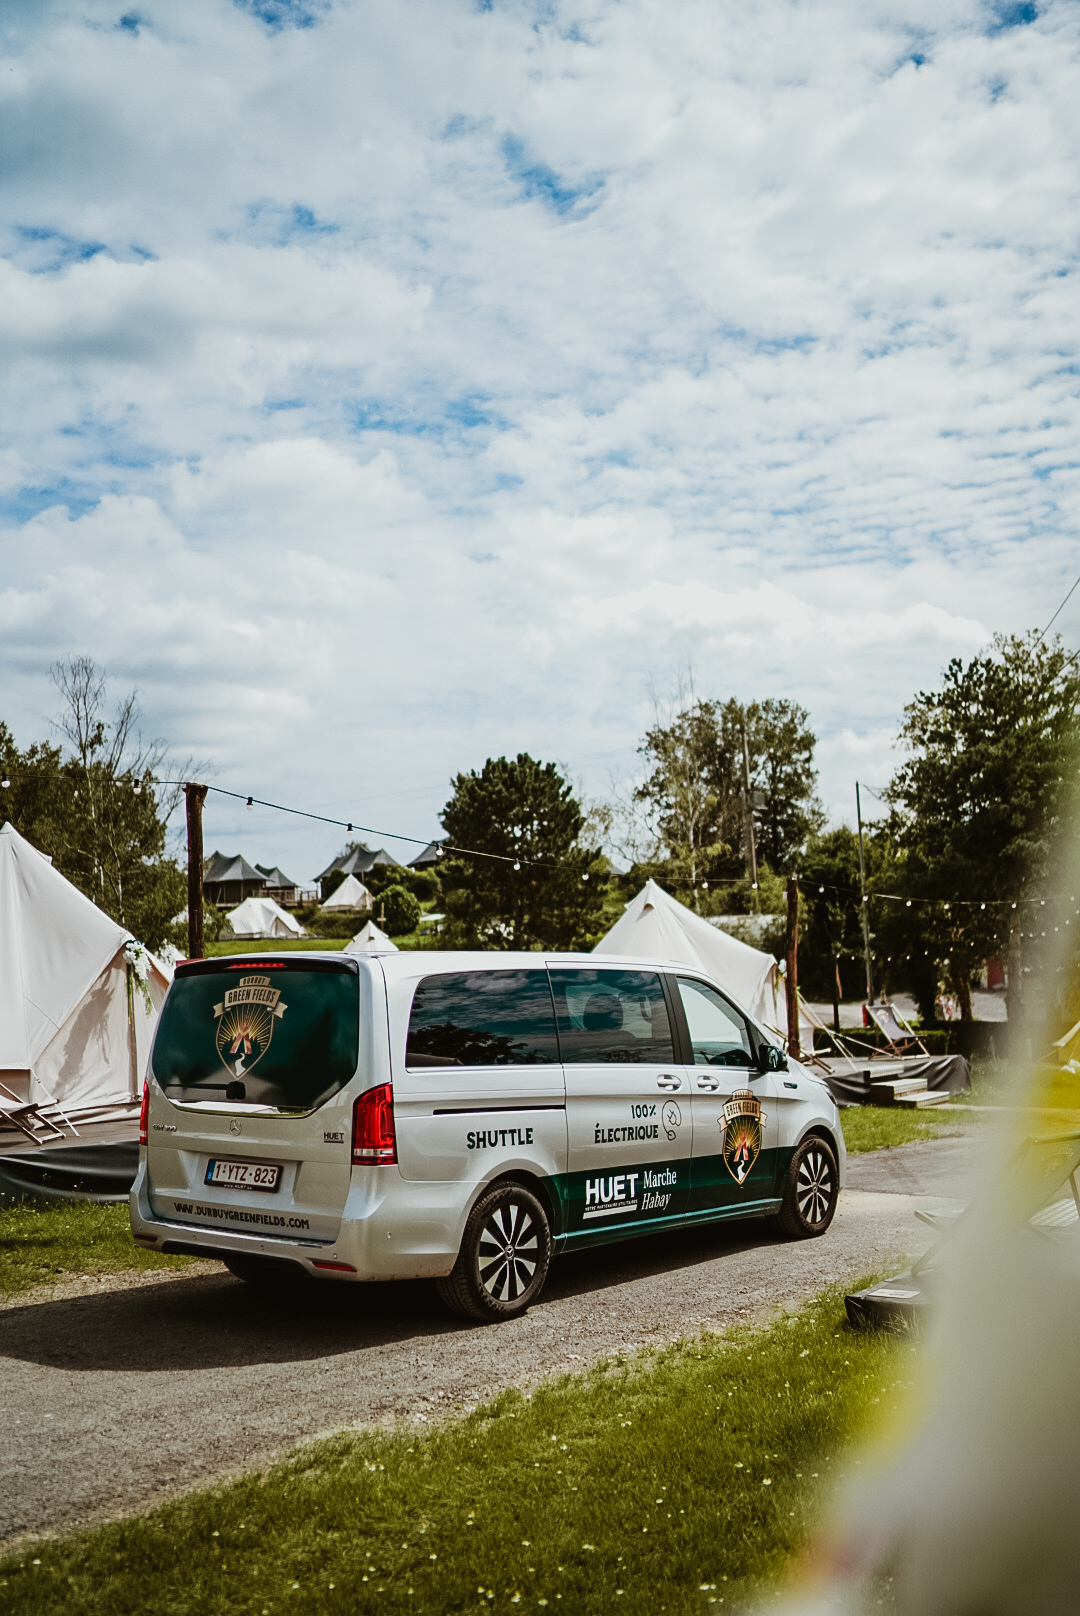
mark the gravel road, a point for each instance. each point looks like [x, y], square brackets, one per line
[120, 1392]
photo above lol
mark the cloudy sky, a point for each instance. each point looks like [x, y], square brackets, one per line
[391, 385]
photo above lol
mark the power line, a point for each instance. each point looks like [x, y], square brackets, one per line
[1059, 611]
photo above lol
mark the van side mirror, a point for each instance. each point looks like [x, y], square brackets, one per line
[771, 1059]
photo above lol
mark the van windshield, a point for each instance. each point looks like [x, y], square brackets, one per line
[268, 1032]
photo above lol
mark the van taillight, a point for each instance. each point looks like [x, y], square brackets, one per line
[144, 1115]
[373, 1138]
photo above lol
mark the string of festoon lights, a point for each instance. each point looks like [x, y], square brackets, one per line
[518, 862]
[947, 905]
[349, 826]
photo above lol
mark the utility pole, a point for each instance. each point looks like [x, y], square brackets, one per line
[749, 817]
[791, 980]
[865, 906]
[196, 796]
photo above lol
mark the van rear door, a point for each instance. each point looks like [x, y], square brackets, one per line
[254, 1059]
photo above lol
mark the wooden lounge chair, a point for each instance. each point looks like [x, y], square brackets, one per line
[891, 1024]
[26, 1116]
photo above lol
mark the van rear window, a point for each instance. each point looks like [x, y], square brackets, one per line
[272, 1033]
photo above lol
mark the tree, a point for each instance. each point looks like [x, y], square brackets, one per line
[978, 804]
[696, 787]
[781, 746]
[831, 924]
[690, 792]
[399, 911]
[98, 812]
[36, 796]
[544, 887]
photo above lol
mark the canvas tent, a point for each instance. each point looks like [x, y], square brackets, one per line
[657, 926]
[229, 878]
[351, 894]
[427, 856]
[370, 940]
[357, 860]
[72, 1032]
[262, 917]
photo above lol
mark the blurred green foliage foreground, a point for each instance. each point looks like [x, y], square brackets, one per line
[671, 1481]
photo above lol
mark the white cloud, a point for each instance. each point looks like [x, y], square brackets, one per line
[413, 386]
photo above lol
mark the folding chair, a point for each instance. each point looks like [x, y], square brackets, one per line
[26, 1116]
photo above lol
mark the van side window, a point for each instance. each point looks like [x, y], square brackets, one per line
[482, 1018]
[717, 1031]
[611, 1016]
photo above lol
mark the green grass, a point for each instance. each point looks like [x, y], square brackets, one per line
[44, 1241]
[873, 1127]
[686, 1478]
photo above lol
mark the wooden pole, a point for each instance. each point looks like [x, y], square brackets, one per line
[864, 905]
[792, 978]
[751, 844]
[196, 796]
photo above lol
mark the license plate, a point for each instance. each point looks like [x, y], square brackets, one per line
[243, 1175]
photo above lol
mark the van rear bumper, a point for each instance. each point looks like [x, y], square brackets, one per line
[384, 1234]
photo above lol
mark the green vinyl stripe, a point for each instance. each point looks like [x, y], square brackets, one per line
[581, 1239]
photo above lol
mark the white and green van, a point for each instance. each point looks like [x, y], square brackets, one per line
[463, 1117]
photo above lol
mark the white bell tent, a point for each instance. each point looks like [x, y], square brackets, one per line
[262, 917]
[75, 1032]
[351, 894]
[370, 940]
[657, 926]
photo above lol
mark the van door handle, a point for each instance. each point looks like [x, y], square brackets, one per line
[668, 1080]
[711, 1083]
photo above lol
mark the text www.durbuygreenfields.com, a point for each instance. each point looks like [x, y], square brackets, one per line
[235, 1214]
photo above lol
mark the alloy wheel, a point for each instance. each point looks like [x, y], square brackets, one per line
[814, 1186]
[509, 1252]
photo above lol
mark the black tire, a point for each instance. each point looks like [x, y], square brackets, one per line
[265, 1272]
[504, 1258]
[811, 1186]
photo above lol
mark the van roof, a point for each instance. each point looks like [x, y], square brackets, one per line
[405, 962]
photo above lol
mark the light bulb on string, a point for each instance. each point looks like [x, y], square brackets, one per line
[249, 802]
[517, 866]
[348, 827]
[4, 783]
